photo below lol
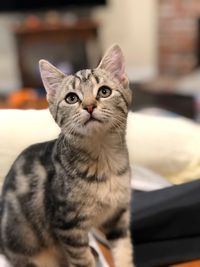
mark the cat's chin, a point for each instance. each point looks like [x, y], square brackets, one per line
[92, 127]
[92, 121]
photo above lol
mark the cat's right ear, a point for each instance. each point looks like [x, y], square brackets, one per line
[51, 77]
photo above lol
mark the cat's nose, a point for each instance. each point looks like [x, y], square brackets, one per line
[90, 108]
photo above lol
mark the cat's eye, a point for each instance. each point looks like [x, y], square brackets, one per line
[71, 98]
[104, 91]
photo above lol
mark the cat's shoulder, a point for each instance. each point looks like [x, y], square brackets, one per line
[37, 154]
[38, 151]
[34, 149]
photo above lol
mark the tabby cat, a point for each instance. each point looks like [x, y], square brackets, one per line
[56, 191]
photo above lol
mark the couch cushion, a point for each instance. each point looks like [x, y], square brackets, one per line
[168, 146]
[19, 129]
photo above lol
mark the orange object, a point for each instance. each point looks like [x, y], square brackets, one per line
[32, 22]
[188, 264]
[20, 97]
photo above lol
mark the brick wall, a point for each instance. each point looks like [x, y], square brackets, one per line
[178, 35]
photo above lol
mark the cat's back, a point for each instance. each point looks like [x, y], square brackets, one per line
[32, 162]
[23, 200]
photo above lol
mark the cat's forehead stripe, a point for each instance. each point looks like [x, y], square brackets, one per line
[95, 76]
[76, 75]
[83, 75]
[88, 74]
[73, 83]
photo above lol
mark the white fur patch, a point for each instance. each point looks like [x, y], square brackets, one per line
[4, 262]
[123, 253]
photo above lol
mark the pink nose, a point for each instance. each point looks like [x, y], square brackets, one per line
[90, 108]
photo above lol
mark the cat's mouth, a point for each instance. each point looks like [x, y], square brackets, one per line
[91, 120]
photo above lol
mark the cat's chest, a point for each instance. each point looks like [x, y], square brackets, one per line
[110, 197]
[110, 194]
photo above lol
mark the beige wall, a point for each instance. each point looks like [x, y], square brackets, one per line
[133, 25]
[9, 75]
[130, 23]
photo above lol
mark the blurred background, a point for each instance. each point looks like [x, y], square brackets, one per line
[161, 43]
[160, 40]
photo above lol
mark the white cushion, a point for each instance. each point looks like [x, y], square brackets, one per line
[19, 129]
[168, 146]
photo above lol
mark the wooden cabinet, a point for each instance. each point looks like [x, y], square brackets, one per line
[74, 46]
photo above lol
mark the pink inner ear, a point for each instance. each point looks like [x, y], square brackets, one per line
[49, 83]
[122, 74]
[51, 77]
[114, 63]
[118, 68]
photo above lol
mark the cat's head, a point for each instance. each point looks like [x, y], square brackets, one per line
[91, 99]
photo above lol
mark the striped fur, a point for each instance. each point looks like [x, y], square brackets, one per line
[56, 191]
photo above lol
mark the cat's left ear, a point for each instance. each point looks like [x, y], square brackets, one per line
[51, 77]
[113, 62]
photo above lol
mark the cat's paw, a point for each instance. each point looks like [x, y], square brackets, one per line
[85, 263]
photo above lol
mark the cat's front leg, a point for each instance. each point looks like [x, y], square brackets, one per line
[76, 246]
[117, 232]
[122, 251]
